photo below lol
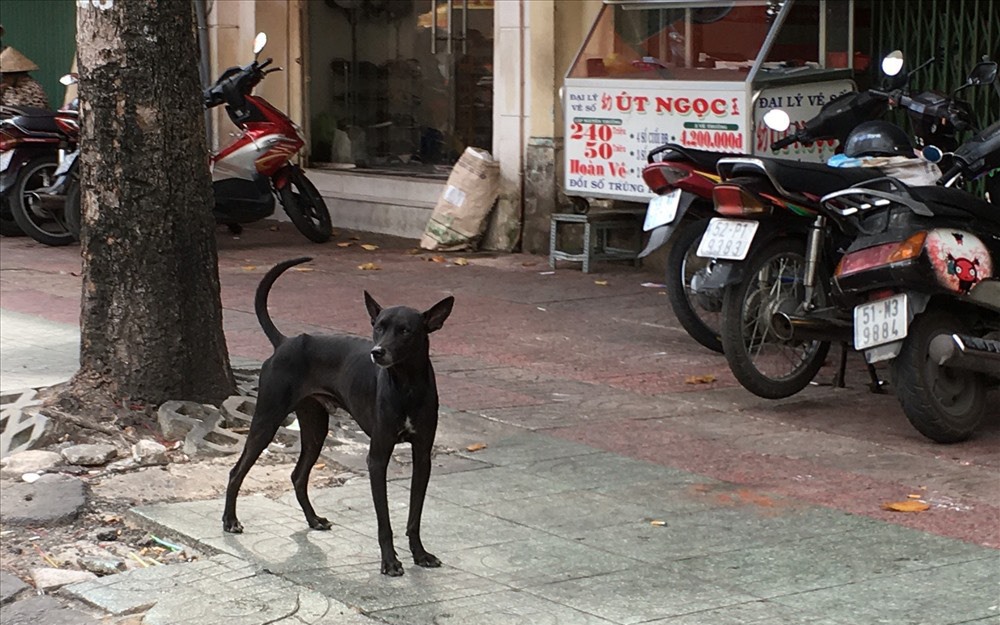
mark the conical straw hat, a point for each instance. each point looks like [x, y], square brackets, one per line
[13, 61]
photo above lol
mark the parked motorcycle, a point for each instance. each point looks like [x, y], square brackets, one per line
[922, 283]
[247, 174]
[31, 142]
[788, 262]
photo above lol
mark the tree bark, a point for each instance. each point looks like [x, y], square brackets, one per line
[151, 321]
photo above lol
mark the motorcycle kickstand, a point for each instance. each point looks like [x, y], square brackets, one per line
[838, 380]
[877, 386]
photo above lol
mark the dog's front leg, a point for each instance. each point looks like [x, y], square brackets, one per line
[378, 463]
[418, 489]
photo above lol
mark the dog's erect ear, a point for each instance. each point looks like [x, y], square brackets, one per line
[373, 307]
[435, 316]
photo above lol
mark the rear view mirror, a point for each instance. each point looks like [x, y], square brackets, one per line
[68, 79]
[984, 73]
[892, 64]
[259, 42]
[777, 119]
[932, 154]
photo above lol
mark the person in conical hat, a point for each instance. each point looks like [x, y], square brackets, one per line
[17, 88]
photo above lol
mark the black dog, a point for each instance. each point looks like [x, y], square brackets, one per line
[387, 386]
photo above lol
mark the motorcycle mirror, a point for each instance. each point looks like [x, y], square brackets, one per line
[259, 42]
[777, 119]
[984, 73]
[892, 64]
[67, 79]
[932, 154]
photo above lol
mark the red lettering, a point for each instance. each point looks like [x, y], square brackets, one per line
[664, 104]
[701, 106]
[682, 106]
[719, 106]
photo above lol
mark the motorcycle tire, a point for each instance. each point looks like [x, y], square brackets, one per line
[47, 229]
[944, 404]
[774, 277]
[306, 208]
[701, 323]
[73, 209]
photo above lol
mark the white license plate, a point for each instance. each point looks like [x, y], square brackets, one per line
[727, 239]
[5, 159]
[877, 323]
[662, 210]
[66, 163]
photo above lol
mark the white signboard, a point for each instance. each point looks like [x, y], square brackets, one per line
[612, 126]
[610, 130]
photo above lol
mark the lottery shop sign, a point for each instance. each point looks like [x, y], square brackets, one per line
[609, 132]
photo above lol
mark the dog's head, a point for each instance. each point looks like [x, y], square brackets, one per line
[401, 333]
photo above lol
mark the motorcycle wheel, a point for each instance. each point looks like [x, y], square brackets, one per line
[701, 319]
[43, 226]
[306, 208]
[72, 209]
[764, 364]
[944, 404]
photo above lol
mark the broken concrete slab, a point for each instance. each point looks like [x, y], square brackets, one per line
[147, 452]
[30, 461]
[51, 500]
[53, 579]
[200, 427]
[45, 610]
[89, 455]
[11, 587]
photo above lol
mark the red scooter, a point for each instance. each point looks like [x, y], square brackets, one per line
[247, 174]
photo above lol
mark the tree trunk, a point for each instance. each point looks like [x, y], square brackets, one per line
[151, 324]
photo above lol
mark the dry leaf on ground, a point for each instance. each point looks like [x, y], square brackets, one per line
[707, 378]
[249, 267]
[345, 244]
[461, 262]
[476, 447]
[601, 282]
[302, 268]
[658, 523]
[369, 267]
[906, 506]
[369, 247]
[437, 259]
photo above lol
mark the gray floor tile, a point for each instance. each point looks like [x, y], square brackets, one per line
[501, 608]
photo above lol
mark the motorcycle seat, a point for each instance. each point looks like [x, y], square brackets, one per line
[702, 158]
[956, 203]
[818, 178]
[36, 120]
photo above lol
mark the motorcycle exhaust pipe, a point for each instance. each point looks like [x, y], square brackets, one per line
[46, 202]
[796, 328]
[966, 352]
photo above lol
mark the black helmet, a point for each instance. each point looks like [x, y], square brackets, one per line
[877, 138]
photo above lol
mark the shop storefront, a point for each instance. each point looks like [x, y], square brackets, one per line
[399, 88]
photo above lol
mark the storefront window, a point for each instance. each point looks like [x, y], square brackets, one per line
[399, 86]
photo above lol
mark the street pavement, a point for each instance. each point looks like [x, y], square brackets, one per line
[626, 477]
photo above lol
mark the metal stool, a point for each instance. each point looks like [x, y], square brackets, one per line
[596, 228]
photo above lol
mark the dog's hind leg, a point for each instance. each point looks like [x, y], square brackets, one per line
[313, 425]
[418, 490]
[266, 420]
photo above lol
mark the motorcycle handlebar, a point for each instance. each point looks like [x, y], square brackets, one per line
[787, 141]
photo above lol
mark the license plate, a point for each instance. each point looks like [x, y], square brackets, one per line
[727, 239]
[5, 159]
[66, 163]
[877, 323]
[662, 210]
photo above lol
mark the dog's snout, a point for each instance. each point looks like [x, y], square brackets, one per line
[378, 353]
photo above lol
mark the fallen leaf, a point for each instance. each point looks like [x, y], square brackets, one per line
[707, 378]
[906, 506]
[319, 466]
[369, 247]
[437, 259]
[302, 268]
[249, 267]
[529, 263]
[476, 446]
[461, 262]
[913, 496]
[414, 251]
[601, 282]
[658, 523]
[369, 267]
[345, 244]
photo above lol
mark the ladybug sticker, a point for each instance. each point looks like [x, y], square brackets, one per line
[966, 270]
[960, 259]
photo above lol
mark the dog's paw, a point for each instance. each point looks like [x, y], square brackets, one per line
[427, 560]
[319, 523]
[392, 568]
[232, 526]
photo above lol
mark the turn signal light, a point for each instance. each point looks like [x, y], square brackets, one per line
[8, 141]
[734, 201]
[662, 177]
[880, 255]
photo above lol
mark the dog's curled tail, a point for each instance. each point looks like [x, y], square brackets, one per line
[260, 301]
